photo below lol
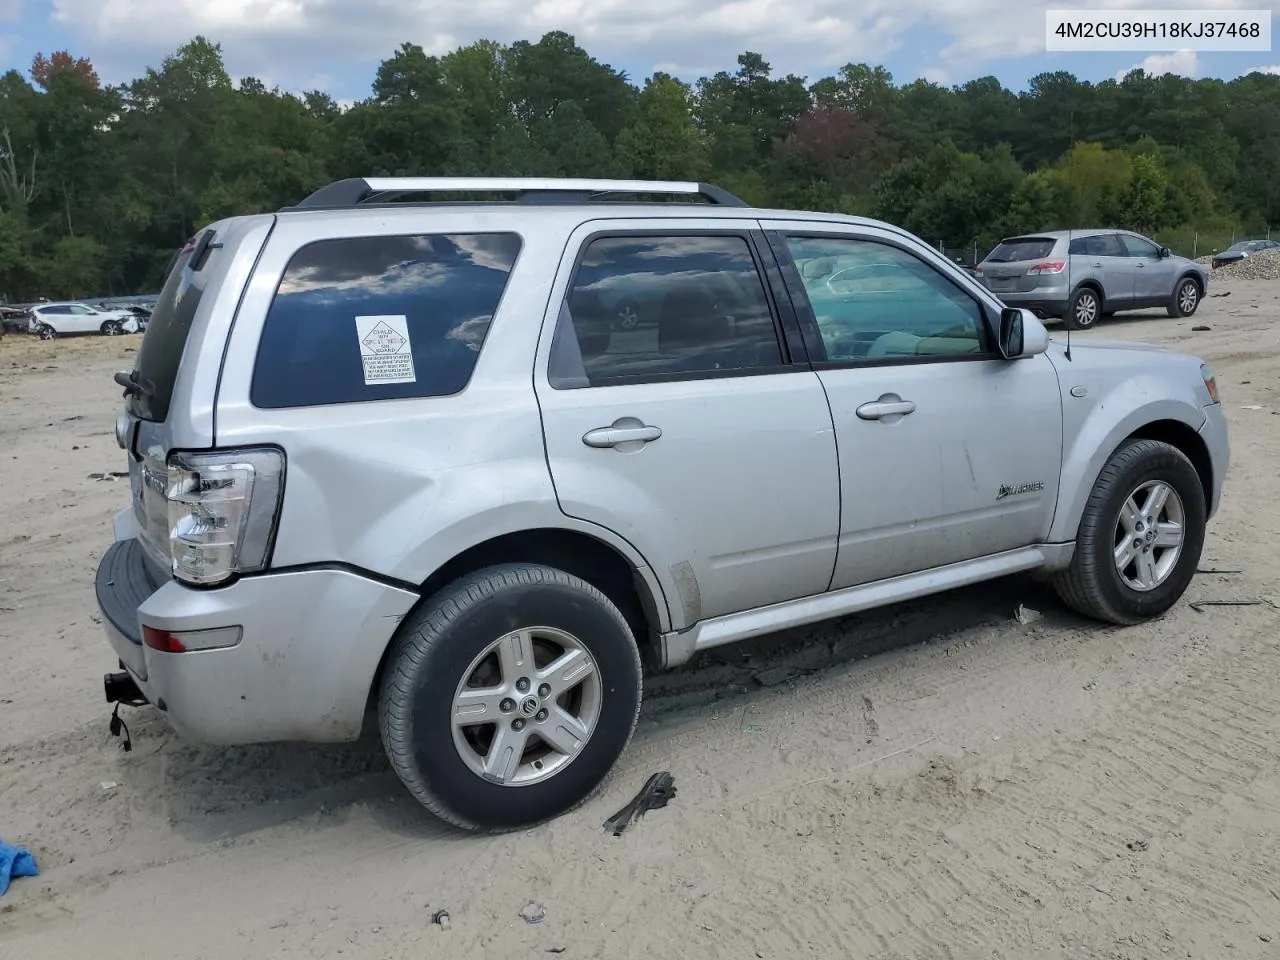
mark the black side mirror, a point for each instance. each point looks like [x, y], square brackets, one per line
[1010, 344]
[1165, 252]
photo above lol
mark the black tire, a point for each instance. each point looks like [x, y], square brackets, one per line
[1083, 310]
[46, 332]
[1092, 585]
[1186, 298]
[112, 328]
[433, 650]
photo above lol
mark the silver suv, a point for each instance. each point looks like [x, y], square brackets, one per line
[1085, 275]
[397, 458]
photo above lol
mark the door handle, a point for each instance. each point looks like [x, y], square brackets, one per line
[1097, 263]
[879, 409]
[1141, 265]
[621, 432]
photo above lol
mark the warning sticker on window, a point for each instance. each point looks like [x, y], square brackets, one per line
[385, 349]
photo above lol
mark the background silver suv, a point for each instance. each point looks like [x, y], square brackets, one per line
[1084, 275]
[401, 455]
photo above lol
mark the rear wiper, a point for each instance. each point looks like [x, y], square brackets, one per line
[133, 387]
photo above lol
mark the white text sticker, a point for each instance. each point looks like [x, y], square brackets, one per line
[385, 349]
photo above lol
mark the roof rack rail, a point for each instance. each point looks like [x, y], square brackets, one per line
[355, 191]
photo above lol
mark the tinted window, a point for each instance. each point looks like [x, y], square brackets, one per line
[876, 302]
[644, 307]
[1138, 247]
[1021, 248]
[165, 339]
[1102, 245]
[380, 318]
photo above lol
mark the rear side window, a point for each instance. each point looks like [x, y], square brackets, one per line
[166, 338]
[380, 318]
[1021, 248]
[1102, 245]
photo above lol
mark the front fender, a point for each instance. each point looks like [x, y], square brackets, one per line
[1091, 435]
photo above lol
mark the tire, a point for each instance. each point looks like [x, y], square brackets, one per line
[437, 649]
[46, 332]
[1084, 309]
[112, 328]
[1093, 584]
[1186, 298]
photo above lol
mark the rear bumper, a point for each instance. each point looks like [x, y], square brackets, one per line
[1043, 303]
[303, 669]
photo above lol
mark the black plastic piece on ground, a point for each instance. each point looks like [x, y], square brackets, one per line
[116, 726]
[658, 789]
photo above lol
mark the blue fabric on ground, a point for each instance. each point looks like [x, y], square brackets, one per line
[15, 862]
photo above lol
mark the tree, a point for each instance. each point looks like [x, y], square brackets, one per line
[664, 143]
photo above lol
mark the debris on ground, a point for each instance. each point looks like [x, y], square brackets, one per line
[15, 862]
[655, 794]
[533, 912]
[769, 678]
[1026, 616]
[1199, 605]
[108, 785]
[441, 919]
[1202, 328]
[1137, 845]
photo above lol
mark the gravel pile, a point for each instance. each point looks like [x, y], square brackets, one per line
[1263, 265]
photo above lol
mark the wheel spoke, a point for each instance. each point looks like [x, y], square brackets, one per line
[562, 732]
[1130, 515]
[1146, 572]
[1124, 554]
[478, 706]
[1156, 500]
[1168, 535]
[566, 671]
[515, 656]
[503, 758]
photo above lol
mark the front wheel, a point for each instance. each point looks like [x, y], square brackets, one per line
[46, 332]
[112, 328]
[1140, 537]
[1083, 310]
[1185, 299]
[508, 697]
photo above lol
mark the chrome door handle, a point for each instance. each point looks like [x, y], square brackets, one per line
[620, 432]
[879, 409]
[1141, 265]
[1097, 263]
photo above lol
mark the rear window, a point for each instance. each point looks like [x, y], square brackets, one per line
[1021, 248]
[166, 337]
[380, 318]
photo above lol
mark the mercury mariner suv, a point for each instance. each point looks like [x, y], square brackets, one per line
[394, 455]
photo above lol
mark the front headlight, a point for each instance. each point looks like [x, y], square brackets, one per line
[1210, 382]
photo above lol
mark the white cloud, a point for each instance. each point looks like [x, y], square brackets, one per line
[293, 40]
[1185, 63]
[1273, 69]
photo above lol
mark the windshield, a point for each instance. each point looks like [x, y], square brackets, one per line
[1021, 248]
[166, 337]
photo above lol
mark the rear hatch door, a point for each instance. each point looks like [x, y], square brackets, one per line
[1007, 268]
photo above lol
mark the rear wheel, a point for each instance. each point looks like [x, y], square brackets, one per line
[508, 697]
[1186, 298]
[1140, 537]
[1083, 310]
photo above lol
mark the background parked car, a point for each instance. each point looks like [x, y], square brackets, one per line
[1084, 275]
[1242, 250]
[50, 320]
[13, 320]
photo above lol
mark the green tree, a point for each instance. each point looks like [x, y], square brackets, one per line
[664, 143]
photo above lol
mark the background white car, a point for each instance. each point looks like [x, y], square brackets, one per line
[53, 319]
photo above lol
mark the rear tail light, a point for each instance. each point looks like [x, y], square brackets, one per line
[223, 511]
[190, 641]
[1049, 266]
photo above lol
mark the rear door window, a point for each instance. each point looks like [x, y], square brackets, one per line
[1021, 248]
[380, 318]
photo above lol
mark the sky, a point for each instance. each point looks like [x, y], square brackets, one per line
[336, 45]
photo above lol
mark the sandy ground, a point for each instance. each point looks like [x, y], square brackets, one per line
[935, 780]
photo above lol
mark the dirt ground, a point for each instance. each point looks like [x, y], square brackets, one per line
[932, 780]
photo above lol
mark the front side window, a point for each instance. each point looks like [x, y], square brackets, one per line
[1138, 247]
[663, 307]
[875, 302]
[380, 318]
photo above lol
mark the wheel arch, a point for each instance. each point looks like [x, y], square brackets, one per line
[1192, 275]
[592, 559]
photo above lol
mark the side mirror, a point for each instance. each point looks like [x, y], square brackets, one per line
[1165, 253]
[1021, 334]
